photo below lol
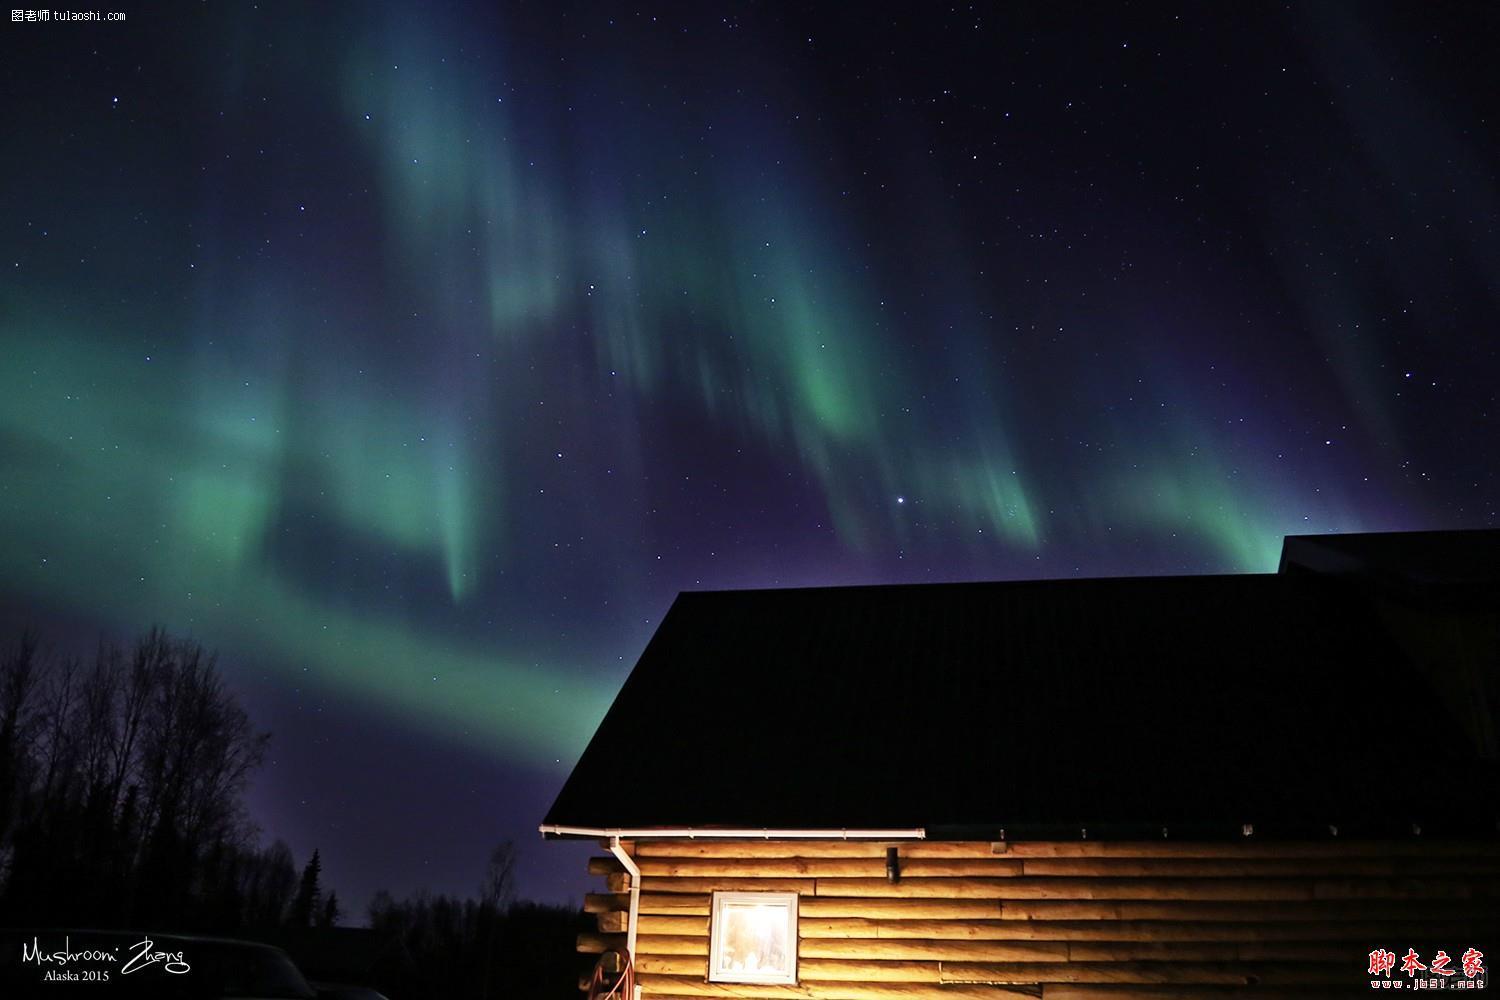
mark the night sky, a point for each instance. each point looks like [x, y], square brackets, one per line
[415, 356]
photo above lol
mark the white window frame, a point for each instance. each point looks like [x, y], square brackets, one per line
[721, 900]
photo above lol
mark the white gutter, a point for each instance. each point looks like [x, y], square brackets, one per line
[709, 833]
[625, 859]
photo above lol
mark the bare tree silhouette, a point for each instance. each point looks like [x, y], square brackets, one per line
[121, 788]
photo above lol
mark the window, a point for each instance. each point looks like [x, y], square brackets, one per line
[753, 938]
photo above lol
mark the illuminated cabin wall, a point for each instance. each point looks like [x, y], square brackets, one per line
[1061, 920]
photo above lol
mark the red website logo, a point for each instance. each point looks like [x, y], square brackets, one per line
[1436, 974]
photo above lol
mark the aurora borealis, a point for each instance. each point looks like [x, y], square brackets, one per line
[416, 355]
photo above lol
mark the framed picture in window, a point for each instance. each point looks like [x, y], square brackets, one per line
[753, 938]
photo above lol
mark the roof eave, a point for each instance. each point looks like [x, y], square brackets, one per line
[555, 830]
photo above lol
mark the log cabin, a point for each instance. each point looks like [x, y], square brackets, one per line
[1261, 785]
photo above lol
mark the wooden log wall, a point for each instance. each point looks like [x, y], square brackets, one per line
[1084, 920]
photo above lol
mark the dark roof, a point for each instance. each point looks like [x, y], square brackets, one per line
[1118, 705]
[1429, 562]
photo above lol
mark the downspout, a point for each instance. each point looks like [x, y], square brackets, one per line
[618, 850]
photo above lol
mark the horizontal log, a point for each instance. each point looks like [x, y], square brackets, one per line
[617, 881]
[651, 923]
[597, 944]
[614, 922]
[1139, 951]
[655, 985]
[1145, 888]
[797, 848]
[1281, 951]
[824, 867]
[1007, 973]
[672, 965]
[1051, 909]
[808, 970]
[1256, 867]
[1077, 991]
[937, 951]
[1103, 930]
[840, 970]
[1252, 849]
[729, 884]
[1407, 888]
[603, 902]
[654, 988]
[1071, 888]
[1198, 973]
[675, 902]
[671, 944]
[1245, 910]
[912, 908]
[605, 866]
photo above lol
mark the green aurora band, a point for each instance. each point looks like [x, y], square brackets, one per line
[377, 394]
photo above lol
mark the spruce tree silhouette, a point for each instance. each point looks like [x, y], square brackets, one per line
[309, 895]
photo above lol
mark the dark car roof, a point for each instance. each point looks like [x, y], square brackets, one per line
[1124, 706]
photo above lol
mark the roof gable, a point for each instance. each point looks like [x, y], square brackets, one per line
[1195, 703]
